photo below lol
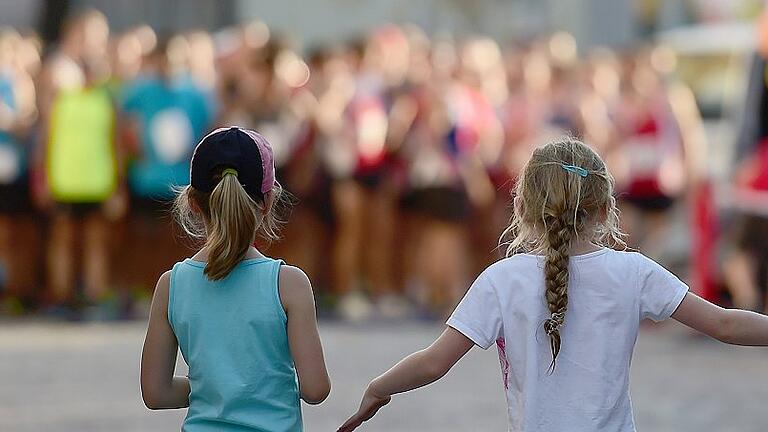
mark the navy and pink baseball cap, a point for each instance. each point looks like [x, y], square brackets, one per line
[243, 150]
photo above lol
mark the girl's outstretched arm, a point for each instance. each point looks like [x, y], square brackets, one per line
[159, 388]
[733, 326]
[417, 370]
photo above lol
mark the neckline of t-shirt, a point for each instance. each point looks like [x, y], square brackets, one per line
[247, 261]
[579, 257]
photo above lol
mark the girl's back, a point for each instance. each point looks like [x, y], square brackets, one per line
[233, 335]
[610, 292]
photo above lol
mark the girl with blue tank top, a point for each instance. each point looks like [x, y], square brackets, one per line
[245, 323]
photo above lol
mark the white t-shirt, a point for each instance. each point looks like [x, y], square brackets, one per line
[609, 293]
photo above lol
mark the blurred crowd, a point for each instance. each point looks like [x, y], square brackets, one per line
[400, 151]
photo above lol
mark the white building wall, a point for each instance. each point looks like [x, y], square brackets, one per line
[593, 22]
[21, 14]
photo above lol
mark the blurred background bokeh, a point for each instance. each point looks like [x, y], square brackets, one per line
[398, 127]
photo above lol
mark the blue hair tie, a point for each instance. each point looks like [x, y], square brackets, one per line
[581, 172]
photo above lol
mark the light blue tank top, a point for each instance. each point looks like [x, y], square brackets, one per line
[232, 334]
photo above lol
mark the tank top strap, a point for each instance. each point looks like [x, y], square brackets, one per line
[171, 292]
[276, 265]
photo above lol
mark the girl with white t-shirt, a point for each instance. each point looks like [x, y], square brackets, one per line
[564, 307]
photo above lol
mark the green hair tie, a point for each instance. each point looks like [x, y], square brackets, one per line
[228, 171]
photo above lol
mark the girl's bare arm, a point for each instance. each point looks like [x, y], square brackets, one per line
[733, 326]
[417, 370]
[159, 387]
[303, 337]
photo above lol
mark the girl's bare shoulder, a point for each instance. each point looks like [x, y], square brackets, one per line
[294, 286]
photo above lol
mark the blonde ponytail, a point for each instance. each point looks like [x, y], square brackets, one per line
[233, 222]
[228, 220]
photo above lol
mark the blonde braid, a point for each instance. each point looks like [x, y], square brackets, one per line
[558, 242]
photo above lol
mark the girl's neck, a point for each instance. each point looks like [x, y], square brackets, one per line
[202, 254]
[581, 247]
[578, 247]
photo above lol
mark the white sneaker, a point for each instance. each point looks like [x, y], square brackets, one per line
[354, 307]
[392, 306]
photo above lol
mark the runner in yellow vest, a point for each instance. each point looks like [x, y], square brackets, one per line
[81, 166]
[81, 172]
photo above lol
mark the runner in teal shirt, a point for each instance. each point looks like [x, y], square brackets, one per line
[169, 116]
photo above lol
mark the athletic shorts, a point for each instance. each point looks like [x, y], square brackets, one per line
[79, 209]
[155, 207]
[656, 203]
[371, 179]
[15, 198]
[443, 203]
[752, 236]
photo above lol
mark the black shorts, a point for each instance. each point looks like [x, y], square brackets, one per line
[658, 203]
[371, 179]
[443, 203]
[752, 236]
[15, 198]
[152, 207]
[79, 209]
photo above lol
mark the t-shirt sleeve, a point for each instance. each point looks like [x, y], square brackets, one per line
[478, 315]
[661, 292]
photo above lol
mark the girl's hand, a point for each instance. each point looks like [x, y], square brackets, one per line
[416, 370]
[369, 406]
